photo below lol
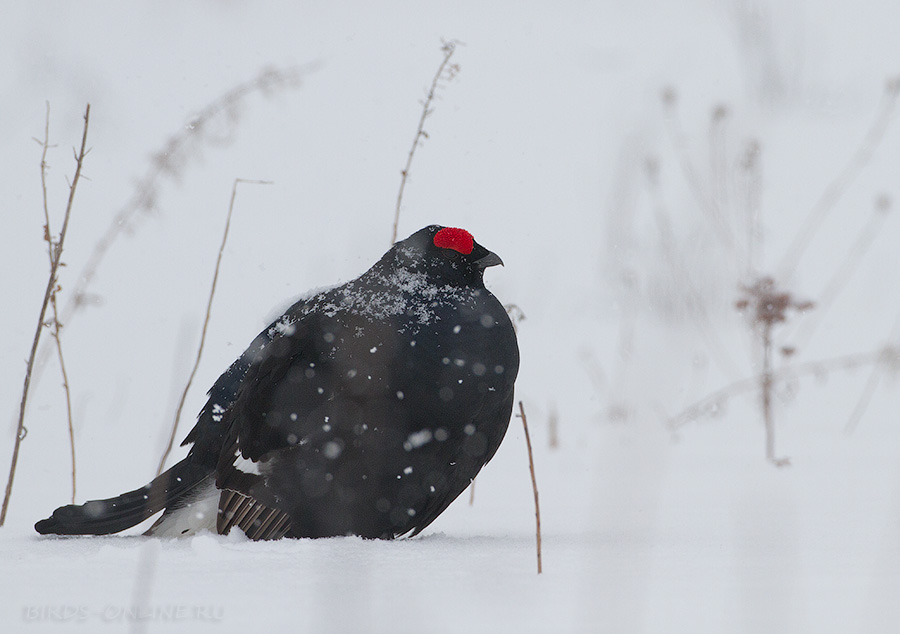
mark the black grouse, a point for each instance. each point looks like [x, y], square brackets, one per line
[365, 409]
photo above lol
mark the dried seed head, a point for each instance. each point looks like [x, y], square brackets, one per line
[769, 304]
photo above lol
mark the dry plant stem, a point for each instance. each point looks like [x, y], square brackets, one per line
[838, 186]
[862, 404]
[516, 315]
[626, 335]
[765, 381]
[766, 384]
[840, 278]
[54, 323]
[212, 294]
[709, 402]
[448, 48]
[537, 505]
[166, 162]
[48, 292]
[595, 371]
[752, 174]
[718, 156]
[705, 326]
[707, 205]
[65, 384]
[553, 435]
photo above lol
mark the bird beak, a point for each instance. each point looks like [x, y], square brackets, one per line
[491, 259]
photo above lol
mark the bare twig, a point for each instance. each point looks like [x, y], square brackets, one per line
[48, 292]
[515, 313]
[167, 162]
[212, 293]
[718, 155]
[751, 173]
[553, 437]
[711, 403]
[767, 305]
[54, 323]
[594, 370]
[537, 505]
[621, 410]
[766, 384]
[844, 272]
[862, 404]
[705, 326]
[448, 49]
[708, 205]
[847, 175]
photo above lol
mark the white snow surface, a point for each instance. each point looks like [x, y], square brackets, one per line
[624, 226]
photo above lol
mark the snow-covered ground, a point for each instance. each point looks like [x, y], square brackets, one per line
[595, 147]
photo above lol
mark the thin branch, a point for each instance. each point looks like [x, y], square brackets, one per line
[553, 429]
[766, 384]
[708, 205]
[751, 173]
[718, 156]
[537, 505]
[212, 293]
[448, 49]
[166, 163]
[862, 404]
[710, 403]
[624, 355]
[844, 178]
[865, 397]
[48, 292]
[515, 313]
[845, 270]
[679, 267]
[55, 325]
[66, 390]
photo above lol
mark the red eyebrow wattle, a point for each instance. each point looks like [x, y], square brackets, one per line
[456, 239]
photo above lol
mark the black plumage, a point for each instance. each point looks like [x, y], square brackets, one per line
[365, 409]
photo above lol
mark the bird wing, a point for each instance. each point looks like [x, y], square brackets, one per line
[457, 482]
[215, 435]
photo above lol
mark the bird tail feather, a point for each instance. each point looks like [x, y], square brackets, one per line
[103, 517]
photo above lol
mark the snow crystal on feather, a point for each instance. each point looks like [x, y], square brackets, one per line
[284, 326]
[279, 311]
[399, 292]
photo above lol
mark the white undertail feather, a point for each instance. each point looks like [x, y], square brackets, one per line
[198, 513]
[244, 465]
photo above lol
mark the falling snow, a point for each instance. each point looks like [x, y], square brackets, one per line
[574, 138]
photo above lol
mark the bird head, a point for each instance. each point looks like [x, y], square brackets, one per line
[447, 253]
